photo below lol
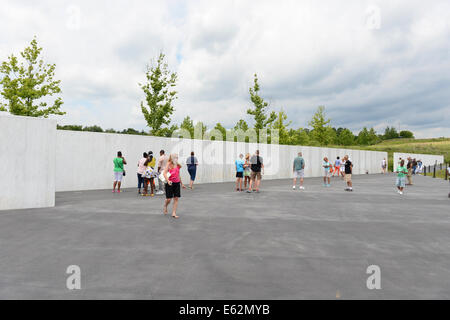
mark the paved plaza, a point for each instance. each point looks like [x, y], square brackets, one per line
[278, 244]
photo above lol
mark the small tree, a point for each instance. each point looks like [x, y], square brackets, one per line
[318, 122]
[259, 110]
[219, 127]
[406, 134]
[26, 83]
[241, 125]
[281, 125]
[391, 133]
[188, 125]
[159, 97]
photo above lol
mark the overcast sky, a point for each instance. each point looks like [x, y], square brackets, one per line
[370, 63]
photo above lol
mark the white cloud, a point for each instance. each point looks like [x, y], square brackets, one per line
[306, 54]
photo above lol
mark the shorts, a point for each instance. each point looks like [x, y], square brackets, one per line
[247, 173]
[327, 173]
[348, 177]
[401, 182]
[118, 175]
[173, 191]
[255, 175]
[239, 174]
[299, 173]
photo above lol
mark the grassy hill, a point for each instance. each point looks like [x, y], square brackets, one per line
[438, 146]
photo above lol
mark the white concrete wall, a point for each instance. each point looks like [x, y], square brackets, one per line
[427, 159]
[84, 159]
[27, 157]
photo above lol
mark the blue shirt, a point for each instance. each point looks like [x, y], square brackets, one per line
[239, 165]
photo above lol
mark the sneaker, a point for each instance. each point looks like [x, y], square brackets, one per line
[113, 191]
[401, 192]
[248, 191]
[302, 188]
[293, 187]
[160, 192]
[328, 185]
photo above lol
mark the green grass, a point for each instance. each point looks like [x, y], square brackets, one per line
[437, 146]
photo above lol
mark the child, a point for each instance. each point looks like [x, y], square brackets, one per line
[247, 170]
[239, 163]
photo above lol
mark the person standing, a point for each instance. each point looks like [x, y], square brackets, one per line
[402, 172]
[192, 164]
[337, 166]
[171, 174]
[162, 161]
[257, 167]
[326, 173]
[383, 166]
[150, 174]
[119, 162]
[141, 171]
[409, 167]
[247, 170]
[239, 163]
[348, 168]
[299, 170]
[342, 169]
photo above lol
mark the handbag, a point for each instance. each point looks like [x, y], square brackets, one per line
[124, 173]
[162, 178]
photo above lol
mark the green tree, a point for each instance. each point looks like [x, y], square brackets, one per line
[373, 136]
[199, 130]
[281, 126]
[222, 130]
[71, 127]
[406, 134]
[93, 129]
[26, 83]
[391, 133]
[188, 125]
[259, 110]
[241, 125]
[320, 131]
[346, 137]
[363, 137]
[159, 97]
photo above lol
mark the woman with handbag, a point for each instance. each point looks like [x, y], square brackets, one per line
[173, 185]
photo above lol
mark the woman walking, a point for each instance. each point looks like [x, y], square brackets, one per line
[192, 164]
[119, 162]
[171, 174]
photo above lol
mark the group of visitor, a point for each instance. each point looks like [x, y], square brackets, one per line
[166, 171]
[249, 172]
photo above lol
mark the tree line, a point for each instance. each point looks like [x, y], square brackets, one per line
[29, 86]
